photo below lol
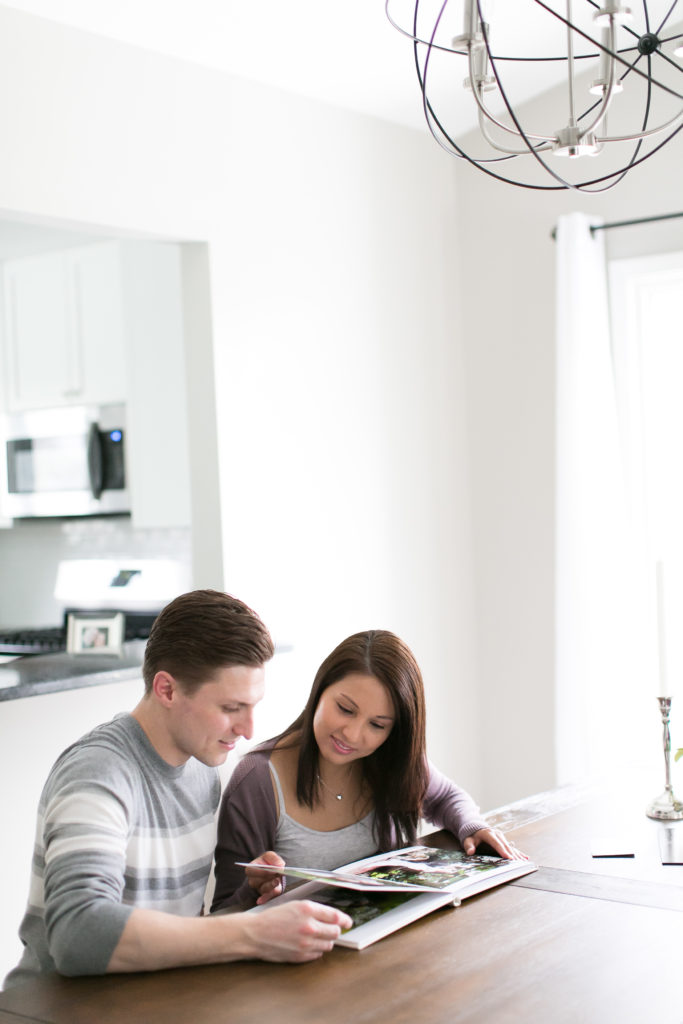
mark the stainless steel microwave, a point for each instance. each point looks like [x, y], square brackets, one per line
[68, 461]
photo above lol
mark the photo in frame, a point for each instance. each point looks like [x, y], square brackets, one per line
[101, 633]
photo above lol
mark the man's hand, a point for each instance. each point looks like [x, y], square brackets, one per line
[295, 932]
[298, 931]
[266, 885]
[495, 839]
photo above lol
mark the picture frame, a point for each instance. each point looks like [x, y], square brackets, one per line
[95, 634]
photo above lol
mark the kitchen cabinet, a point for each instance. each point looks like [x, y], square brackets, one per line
[38, 356]
[52, 722]
[101, 324]
[158, 436]
[63, 320]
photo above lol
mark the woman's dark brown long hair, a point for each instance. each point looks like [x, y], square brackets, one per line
[397, 771]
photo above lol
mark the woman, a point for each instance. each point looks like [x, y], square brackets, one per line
[347, 779]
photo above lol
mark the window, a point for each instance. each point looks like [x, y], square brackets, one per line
[646, 299]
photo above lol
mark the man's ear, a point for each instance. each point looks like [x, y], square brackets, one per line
[164, 688]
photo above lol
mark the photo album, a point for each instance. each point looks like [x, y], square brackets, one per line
[383, 893]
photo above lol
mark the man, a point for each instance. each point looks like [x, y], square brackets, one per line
[125, 833]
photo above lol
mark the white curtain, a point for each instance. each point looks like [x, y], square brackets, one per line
[593, 677]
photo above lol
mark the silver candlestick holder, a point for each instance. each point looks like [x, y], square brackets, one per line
[666, 807]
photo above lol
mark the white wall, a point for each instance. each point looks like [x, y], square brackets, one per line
[338, 383]
[384, 351]
[508, 279]
[344, 382]
[342, 451]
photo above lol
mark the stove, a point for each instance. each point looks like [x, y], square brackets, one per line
[137, 587]
[33, 641]
[52, 639]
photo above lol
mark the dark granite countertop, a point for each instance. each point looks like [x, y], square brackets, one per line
[50, 673]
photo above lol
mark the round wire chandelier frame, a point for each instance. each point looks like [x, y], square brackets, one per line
[645, 70]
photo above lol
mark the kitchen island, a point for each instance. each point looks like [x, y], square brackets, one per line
[51, 673]
[75, 696]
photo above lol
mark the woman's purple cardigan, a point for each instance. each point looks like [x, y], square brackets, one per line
[248, 817]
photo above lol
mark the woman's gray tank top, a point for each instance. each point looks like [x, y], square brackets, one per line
[307, 847]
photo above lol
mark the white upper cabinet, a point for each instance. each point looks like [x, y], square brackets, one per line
[98, 303]
[63, 319]
[158, 436]
[38, 353]
[101, 324]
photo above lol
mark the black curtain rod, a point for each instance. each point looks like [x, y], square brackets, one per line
[626, 223]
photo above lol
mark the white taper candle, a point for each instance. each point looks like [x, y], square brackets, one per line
[664, 689]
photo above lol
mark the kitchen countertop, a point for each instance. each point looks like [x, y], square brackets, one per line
[50, 673]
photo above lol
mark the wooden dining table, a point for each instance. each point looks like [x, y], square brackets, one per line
[581, 940]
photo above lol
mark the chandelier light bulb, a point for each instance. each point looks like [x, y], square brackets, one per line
[600, 84]
[614, 12]
[480, 78]
[570, 142]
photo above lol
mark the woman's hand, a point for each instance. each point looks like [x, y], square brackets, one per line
[495, 839]
[266, 884]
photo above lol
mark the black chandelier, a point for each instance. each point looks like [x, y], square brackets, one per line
[613, 61]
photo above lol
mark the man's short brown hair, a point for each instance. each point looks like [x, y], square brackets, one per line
[201, 632]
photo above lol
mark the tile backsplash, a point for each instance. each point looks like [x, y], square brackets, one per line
[31, 550]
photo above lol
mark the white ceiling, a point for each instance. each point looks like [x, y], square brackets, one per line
[343, 52]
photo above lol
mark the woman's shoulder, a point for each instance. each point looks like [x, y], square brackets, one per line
[253, 765]
[252, 772]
